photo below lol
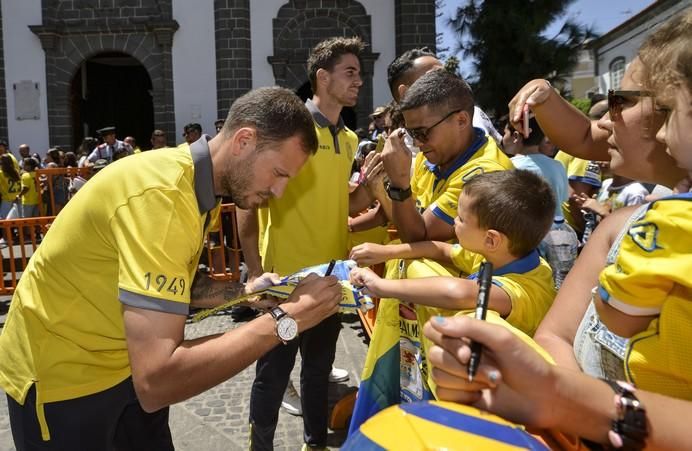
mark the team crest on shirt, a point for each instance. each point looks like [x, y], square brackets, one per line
[472, 173]
[645, 235]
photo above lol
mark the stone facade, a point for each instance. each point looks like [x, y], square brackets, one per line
[415, 24]
[233, 55]
[75, 30]
[3, 92]
[301, 24]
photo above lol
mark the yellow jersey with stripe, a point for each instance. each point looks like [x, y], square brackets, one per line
[578, 170]
[29, 182]
[132, 235]
[440, 190]
[440, 425]
[528, 281]
[650, 275]
[9, 188]
[308, 225]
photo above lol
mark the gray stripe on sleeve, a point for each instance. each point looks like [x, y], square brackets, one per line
[152, 303]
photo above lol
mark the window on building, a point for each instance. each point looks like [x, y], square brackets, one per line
[617, 70]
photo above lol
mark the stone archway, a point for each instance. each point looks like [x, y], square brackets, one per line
[112, 89]
[300, 25]
[73, 32]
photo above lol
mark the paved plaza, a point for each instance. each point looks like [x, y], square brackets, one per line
[218, 418]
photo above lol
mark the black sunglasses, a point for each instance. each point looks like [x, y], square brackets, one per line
[421, 133]
[617, 98]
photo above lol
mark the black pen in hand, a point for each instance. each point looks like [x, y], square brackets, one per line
[485, 278]
[330, 268]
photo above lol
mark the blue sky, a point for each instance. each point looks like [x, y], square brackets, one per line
[603, 15]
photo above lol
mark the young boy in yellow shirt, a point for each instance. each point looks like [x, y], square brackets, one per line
[502, 216]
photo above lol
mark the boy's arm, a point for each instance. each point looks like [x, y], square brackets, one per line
[449, 293]
[368, 254]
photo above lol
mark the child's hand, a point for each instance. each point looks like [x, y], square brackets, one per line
[266, 280]
[366, 278]
[368, 254]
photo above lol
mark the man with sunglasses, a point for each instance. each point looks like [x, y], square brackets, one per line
[191, 132]
[438, 112]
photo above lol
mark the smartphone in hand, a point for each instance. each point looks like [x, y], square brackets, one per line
[526, 121]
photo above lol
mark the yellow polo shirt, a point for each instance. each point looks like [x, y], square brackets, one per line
[650, 275]
[308, 225]
[133, 236]
[440, 190]
[528, 281]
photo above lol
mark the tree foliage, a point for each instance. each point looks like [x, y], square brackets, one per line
[504, 37]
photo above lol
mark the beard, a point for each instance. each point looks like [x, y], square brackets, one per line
[237, 182]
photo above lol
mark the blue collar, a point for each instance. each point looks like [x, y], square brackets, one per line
[479, 141]
[522, 265]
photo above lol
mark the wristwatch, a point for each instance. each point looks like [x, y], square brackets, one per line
[286, 326]
[398, 194]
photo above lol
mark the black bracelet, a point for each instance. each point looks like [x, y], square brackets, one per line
[630, 429]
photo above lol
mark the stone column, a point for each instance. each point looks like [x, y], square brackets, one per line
[233, 54]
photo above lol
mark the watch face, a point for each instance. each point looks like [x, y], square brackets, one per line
[287, 329]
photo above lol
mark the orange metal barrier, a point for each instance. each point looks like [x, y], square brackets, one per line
[223, 246]
[54, 180]
[23, 236]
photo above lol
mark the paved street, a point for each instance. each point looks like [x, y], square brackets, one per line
[217, 419]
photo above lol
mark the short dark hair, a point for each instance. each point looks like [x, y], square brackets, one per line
[517, 203]
[276, 114]
[193, 126]
[326, 54]
[439, 88]
[402, 64]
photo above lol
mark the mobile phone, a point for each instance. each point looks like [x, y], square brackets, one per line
[380, 143]
[526, 121]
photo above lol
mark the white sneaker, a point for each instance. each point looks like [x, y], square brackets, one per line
[338, 375]
[291, 401]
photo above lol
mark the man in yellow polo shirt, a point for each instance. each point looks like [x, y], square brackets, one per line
[308, 226]
[93, 350]
[438, 110]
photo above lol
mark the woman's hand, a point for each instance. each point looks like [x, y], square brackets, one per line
[512, 381]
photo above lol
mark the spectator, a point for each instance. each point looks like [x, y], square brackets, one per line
[158, 139]
[132, 142]
[191, 133]
[10, 184]
[526, 155]
[110, 150]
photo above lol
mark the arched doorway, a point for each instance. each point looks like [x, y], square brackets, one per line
[347, 113]
[112, 88]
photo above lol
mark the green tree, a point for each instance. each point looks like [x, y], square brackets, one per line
[505, 39]
[583, 104]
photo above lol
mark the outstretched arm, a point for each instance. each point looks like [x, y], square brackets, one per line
[368, 254]
[161, 358]
[449, 293]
